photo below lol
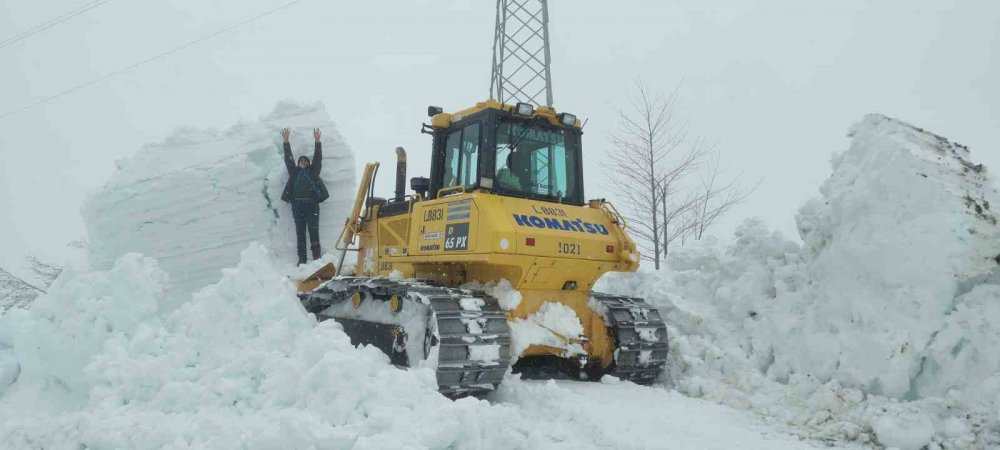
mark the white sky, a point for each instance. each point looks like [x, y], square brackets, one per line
[776, 83]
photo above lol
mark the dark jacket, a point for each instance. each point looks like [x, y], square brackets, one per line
[311, 174]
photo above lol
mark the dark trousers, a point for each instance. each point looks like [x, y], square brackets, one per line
[306, 215]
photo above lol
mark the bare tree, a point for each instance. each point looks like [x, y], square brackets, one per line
[678, 202]
[649, 160]
[716, 196]
[45, 272]
[15, 292]
[80, 244]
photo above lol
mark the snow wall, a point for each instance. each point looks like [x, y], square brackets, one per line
[196, 200]
[884, 325]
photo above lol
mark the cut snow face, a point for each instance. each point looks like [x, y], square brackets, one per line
[883, 322]
[903, 233]
[197, 199]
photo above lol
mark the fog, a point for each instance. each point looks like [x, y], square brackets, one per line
[775, 83]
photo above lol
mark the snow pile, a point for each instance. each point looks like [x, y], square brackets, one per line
[103, 364]
[507, 297]
[553, 325]
[197, 199]
[881, 327]
[240, 365]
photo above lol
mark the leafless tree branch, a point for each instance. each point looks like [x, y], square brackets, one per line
[46, 273]
[649, 160]
[716, 197]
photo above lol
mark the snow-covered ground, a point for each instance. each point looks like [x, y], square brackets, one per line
[613, 414]
[197, 199]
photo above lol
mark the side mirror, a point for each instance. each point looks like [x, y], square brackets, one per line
[434, 110]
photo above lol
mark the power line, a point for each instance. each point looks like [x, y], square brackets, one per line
[148, 60]
[53, 22]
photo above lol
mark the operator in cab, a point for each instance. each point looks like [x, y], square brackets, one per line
[505, 176]
[305, 191]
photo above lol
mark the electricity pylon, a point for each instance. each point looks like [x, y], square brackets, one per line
[521, 53]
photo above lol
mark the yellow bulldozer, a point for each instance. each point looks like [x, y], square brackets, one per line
[504, 201]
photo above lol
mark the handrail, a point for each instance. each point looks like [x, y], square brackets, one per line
[411, 198]
[459, 189]
[353, 223]
[618, 218]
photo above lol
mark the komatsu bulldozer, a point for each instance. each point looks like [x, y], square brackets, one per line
[504, 201]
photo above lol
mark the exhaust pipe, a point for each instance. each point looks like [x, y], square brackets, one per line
[400, 173]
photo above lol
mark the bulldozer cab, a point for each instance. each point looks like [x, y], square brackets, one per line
[516, 151]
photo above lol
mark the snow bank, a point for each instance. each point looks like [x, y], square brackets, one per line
[241, 365]
[882, 327]
[200, 197]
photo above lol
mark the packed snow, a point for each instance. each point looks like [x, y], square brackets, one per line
[502, 290]
[242, 365]
[197, 199]
[624, 415]
[553, 325]
[880, 328]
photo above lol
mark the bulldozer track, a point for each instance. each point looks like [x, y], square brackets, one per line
[467, 328]
[640, 334]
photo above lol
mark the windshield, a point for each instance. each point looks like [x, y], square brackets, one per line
[532, 160]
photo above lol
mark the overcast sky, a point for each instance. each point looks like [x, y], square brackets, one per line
[775, 83]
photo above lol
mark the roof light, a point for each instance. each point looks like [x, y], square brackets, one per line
[524, 109]
[567, 119]
[434, 110]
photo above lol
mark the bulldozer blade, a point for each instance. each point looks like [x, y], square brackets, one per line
[317, 278]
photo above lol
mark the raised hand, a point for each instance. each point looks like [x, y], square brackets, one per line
[285, 132]
[316, 134]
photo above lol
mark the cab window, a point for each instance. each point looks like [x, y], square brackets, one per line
[452, 155]
[533, 161]
[461, 157]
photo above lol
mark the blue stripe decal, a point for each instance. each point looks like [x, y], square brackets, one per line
[459, 216]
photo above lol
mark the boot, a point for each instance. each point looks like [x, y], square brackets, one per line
[316, 252]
